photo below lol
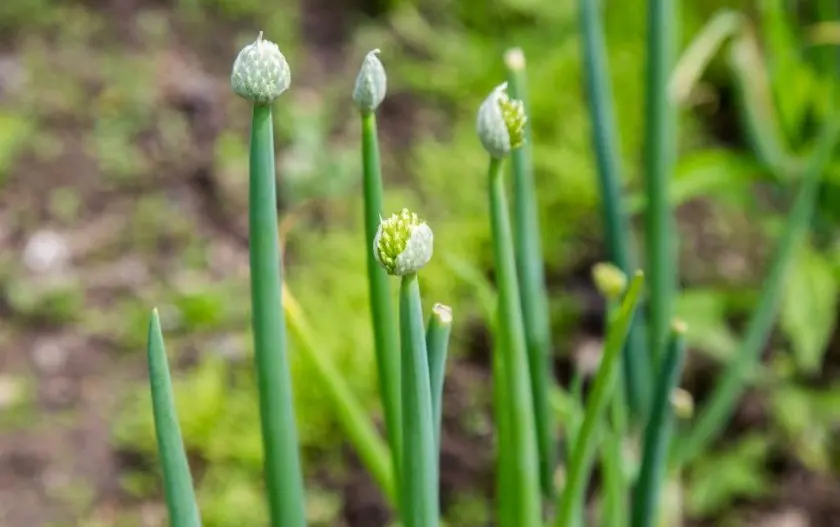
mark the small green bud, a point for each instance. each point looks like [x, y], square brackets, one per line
[260, 72]
[371, 84]
[403, 243]
[683, 403]
[609, 280]
[501, 123]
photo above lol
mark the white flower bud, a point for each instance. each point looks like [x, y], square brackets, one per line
[403, 244]
[371, 84]
[501, 123]
[260, 72]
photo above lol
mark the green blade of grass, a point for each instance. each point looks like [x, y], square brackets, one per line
[437, 343]
[700, 52]
[637, 369]
[580, 466]
[731, 384]
[533, 296]
[283, 475]
[659, 159]
[786, 75]
[386, 341]
[757, 111]
[177, 480]
[525, 478]
[349, 411]
[419, 476]
[657, 439]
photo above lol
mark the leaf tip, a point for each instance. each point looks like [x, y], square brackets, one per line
[443, 313]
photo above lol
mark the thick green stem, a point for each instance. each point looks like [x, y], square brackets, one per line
[658, 432]
[614, 509]
[177, 480]
[731, 385]
[283, 476]
[386, 343]
[636, 365]
[525, 480]
[505, 495]
[533, 295]
[659, 159]
[585, 444]
[420, 483]
[437, 343]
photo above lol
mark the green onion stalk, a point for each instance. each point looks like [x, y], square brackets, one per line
[260, 75]
[636, 364]
[577, 476]
[501, 129]
[177, 480]
[438, 332]
[402, 246]
[529, 266]
[368, 94]
[659, 158]
[658, 432]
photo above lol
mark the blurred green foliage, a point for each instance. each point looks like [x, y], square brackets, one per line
[441, 59]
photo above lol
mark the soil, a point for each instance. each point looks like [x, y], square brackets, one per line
[76, 378]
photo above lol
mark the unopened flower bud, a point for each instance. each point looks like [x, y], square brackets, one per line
[683, 403]
[260, 72]
[371, 84]
[501, 123]
[609, 279]
[403, 243]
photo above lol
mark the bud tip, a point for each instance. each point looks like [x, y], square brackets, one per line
[515, 59]
[443, 313]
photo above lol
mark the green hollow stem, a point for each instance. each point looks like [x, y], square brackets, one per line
[283, 475]
[525, 477]
[612, 462]
[657, 436]
[349, 410]
[636, 366]
[419, 496]
[386, 340]
[659, 159]
[533, 295]
[614, 506]
[177, 480]
[571, 499]
[721, 403]
[437, 344]
[504, 455]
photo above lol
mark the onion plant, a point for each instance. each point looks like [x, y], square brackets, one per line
[260, 75]
[412, 393]
[501, 128]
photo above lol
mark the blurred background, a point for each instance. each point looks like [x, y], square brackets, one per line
[123, 185]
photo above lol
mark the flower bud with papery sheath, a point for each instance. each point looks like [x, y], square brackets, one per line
[371, 84]
[501, 123]
[260, 72]
[403, 243]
